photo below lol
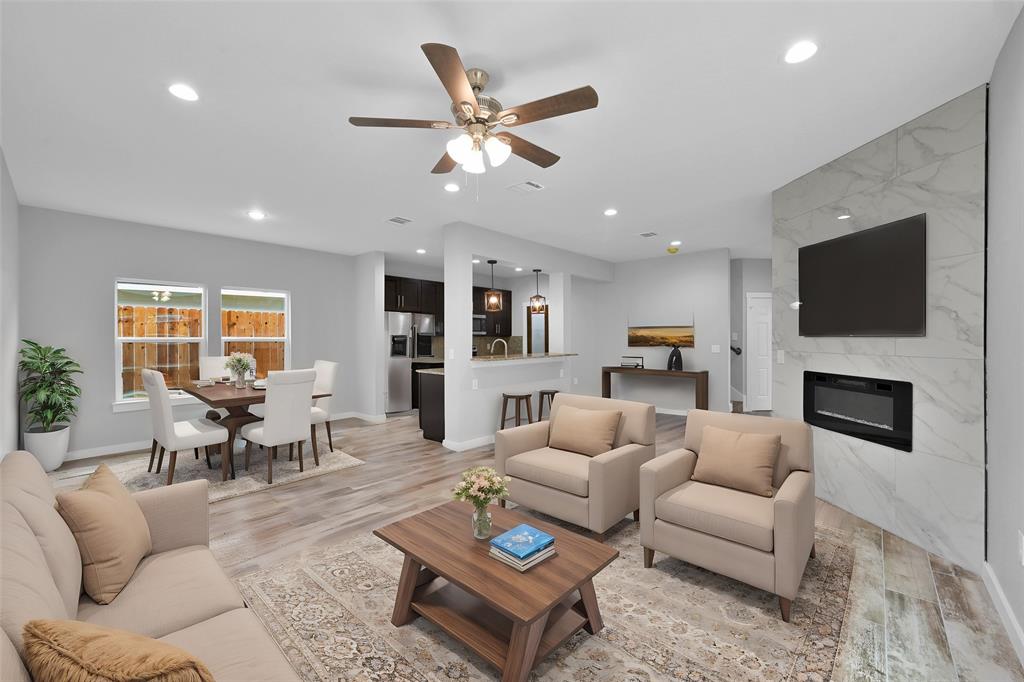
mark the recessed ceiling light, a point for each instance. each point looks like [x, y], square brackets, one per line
[611, 211]
[476, 261]
[182, 91]
[256, 214]
[845, 216]
[451, 187]
[519, 269]
[421, 251]
[800, 52]
[675, 243]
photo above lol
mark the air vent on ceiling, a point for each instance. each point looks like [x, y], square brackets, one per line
[526, 187]
[648, 235]
[399, 220]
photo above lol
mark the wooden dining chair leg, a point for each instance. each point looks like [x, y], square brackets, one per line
[152, 455]
[170, 466]
[248, 451]
[291, 451]
[316, 450]
[196, 451]
[160, 460]
[209, 465]
[330, 438]
[271, 456]
[300, 455]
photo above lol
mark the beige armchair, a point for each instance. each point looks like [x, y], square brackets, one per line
[592, 492]
[762, 541]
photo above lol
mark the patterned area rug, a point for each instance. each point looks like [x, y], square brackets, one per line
[133, 473]
[330, 611]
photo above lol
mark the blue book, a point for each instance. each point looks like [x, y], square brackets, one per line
[523, 541]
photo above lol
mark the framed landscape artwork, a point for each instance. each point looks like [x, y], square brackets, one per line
[660, 336]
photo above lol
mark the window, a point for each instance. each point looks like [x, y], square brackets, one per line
[161, 327]
[256, 322]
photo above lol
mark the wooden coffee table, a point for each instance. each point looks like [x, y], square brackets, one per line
[511, 619]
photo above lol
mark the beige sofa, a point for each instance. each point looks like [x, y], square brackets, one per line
[762, 541]
[178, 593]
[592, 492]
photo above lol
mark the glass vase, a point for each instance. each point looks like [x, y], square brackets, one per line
[239, 381]
[481, 523]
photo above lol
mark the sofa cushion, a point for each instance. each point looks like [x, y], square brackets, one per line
[588, 432]
[723, 512]
[73, 650]
[566, 471]
[12, 669]
[235, 646]
[744, 461]
[169, 591]
[111, 532]
[25, 485]
[27, 590]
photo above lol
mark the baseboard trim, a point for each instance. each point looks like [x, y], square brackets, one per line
[461, 446]
[1010, 622]
[113, 449]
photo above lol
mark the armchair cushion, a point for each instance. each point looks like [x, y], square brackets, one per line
[565, 471]
[744, 461]
[588, 432]
[511, 442]
[723, 512]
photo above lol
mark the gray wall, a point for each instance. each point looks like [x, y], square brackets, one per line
[935, 164]
[746, 275]
[9, 338]
[1005, 367]
[68, 268]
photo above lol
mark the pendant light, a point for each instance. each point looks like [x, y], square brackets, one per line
[493, 298]
[538, 302]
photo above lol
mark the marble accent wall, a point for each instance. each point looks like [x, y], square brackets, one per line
[935, 164]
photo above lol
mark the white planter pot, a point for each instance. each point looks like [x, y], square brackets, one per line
[49, 447]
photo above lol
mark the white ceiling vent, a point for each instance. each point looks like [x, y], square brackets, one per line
[526, 187]
[399, 220]
[648, 235]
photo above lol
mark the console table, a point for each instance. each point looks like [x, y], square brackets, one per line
[700, 379]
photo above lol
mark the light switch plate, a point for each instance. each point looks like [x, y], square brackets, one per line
[575, 380]
[476, 384]
[716, 348]
[780, 357]
[561, 374]
[735, 336]
[451, 353]
[1020, 545]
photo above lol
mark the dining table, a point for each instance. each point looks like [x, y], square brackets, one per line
[237, 401]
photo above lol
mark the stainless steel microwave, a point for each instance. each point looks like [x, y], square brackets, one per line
[479, 325]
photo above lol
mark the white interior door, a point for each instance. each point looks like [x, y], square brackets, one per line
[758, 353]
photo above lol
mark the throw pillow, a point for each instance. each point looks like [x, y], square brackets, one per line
[83, 652]
[744, 461]
[588, 432]
[111, 531]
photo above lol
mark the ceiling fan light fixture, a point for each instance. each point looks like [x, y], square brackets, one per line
[460, 148]
[474, 163]
[497, 150]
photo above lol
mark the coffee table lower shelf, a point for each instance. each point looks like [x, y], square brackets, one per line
[489, 633]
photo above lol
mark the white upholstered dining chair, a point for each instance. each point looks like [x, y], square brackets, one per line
[320, 413]
[212, 367]
[286, 420]
[173, 436]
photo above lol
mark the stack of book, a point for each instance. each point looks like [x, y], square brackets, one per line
[523, 547]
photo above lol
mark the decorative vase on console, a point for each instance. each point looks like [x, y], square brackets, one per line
[239, 365]
[675, 359]
[479, 486]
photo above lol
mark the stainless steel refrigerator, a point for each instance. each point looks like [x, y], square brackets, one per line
[405, 333]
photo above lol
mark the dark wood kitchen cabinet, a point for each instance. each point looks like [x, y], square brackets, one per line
[409, 296]
[431, 401]
[390, 293]
[500, 323]
[478, 300]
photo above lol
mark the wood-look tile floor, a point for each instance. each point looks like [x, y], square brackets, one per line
[912, 616]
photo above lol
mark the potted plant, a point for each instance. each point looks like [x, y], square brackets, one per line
[479, 486]
[49, 391]
[239, 365]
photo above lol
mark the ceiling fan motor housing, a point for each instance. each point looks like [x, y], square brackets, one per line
[489, 107]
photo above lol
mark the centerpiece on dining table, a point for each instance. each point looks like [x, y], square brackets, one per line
[239, 365]
[480, 486]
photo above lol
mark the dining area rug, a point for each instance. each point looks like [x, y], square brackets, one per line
[132, 471]
[330, 611]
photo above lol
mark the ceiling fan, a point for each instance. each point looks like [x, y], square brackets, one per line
[476, 114]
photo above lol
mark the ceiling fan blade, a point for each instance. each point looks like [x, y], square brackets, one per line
[549, 107]
[445, 165]
[448, 65]
[529, 151]
[364, 121]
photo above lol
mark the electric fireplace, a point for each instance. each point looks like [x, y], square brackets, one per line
[877, 410]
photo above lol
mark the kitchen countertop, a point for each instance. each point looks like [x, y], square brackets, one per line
[439, 371]
[428, 361]
[521, 358]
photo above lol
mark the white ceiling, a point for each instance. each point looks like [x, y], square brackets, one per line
[699, 118]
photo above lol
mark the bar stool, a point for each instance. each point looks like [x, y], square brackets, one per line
[548, 393]
[520, 398]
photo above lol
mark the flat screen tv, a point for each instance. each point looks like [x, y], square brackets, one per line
[869, 283]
